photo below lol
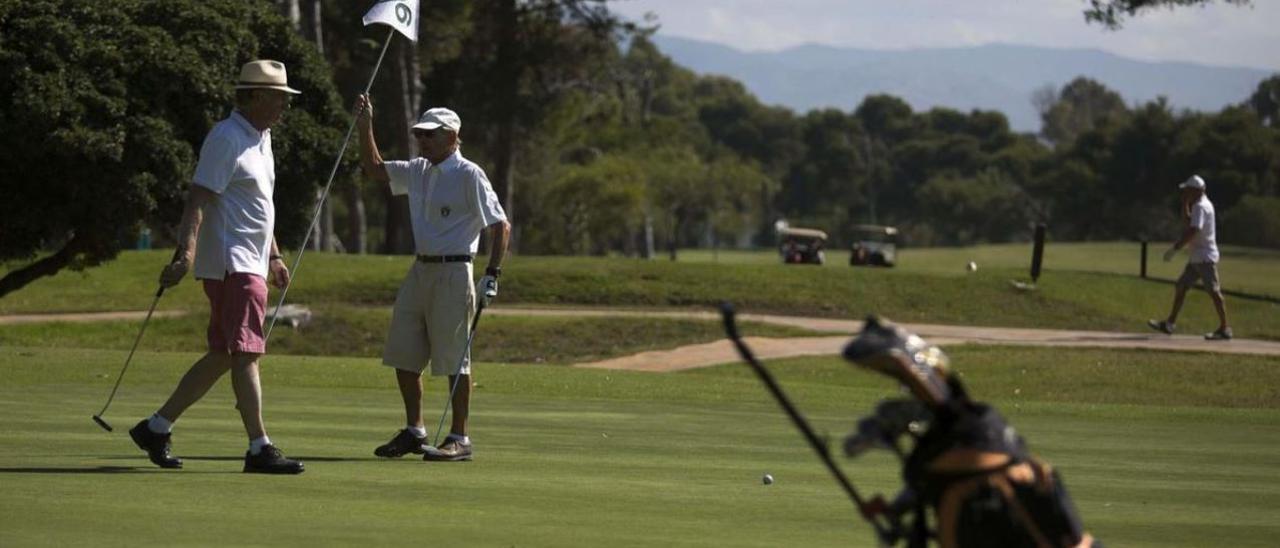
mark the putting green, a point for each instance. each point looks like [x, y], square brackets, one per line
[569, 457]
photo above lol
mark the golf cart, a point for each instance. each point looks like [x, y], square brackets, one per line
[801, 245]
[874, 245]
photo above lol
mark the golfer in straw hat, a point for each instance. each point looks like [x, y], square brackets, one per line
[1199, 237]
[226, 234]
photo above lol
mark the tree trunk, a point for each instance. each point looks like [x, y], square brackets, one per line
[508, 65]
[398, 237]
[292, 10]
[48, 266]
[648, 236]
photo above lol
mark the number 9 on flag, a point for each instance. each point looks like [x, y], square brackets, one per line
[401, 15]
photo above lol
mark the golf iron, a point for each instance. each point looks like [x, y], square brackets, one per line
[98, 417]
[867, 511]
[457, 370]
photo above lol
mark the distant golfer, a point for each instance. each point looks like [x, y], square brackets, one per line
[230, 208]
[1202, 246]
[450, 203]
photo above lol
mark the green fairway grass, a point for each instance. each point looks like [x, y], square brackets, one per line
[1065, 298]
[356, 331]
[1158, 449]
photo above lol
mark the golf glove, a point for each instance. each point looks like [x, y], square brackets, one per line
[1168, 255]
[486, 289]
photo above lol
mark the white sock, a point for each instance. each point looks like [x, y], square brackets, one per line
[464, 439]
[159, 425]
[420, 431]
[256, 446]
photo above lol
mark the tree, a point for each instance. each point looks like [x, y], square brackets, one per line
[105, 105]
[518, 60]
[1265, 101]
[1111, 13]
[1080, 106]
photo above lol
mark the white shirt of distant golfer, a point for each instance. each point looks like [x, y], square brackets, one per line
[1204, 245]
[449, 204]
[237, 164]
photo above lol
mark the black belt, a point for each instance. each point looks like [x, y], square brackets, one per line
[444, 258]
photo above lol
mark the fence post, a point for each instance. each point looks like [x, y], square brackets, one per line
[1037, 252]
[1142, 269]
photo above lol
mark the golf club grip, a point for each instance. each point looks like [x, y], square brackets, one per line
[819, 447]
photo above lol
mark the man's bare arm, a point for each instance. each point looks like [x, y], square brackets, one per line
[188, 228]
[499, 236]
[370, 159]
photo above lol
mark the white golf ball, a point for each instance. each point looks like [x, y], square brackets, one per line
[971, 267]
[767, 479]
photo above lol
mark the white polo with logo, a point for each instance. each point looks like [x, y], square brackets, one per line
[237, 164]
[449, 205]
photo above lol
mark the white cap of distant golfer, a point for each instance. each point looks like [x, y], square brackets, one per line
[1193, 182]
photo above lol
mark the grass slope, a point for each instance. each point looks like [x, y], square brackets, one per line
[1066, 299]
[1158, 450]
[352, 331]
[1250, 270]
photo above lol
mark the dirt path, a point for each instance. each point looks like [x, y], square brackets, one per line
[88, 316]
[718, 352]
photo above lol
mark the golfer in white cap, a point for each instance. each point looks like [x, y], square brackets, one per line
[450, 203]
[227, 238]
[1199, 238]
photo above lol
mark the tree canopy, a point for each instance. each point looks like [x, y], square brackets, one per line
[1112, 13]
[105, 105]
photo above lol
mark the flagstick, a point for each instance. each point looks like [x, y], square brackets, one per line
[325, 195]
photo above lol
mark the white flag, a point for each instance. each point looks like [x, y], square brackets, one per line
[401, 15]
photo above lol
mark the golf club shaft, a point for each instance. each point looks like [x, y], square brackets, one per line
[136, 340]
[324, 195]
[457, 372]
[814, 441]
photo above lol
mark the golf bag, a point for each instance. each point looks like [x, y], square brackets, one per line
[967, 472]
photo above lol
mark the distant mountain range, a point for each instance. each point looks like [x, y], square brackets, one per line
[991, 77]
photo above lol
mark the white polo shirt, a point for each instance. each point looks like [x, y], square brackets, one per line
[236, 163]
[1204, 245]
[449, 204]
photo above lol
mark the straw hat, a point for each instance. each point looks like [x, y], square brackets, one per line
[265, 74]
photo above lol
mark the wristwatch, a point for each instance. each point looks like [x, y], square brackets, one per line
[494, 271]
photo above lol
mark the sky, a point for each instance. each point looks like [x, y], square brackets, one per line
[1216, 34]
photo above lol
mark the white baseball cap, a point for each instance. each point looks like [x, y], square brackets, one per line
[1194, 182]
[439, 117]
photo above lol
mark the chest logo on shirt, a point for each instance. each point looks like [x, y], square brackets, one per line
[444, 211]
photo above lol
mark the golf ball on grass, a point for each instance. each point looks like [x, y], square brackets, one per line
[767, 479]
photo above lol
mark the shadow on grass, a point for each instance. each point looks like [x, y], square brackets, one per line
[91, 470]
[302, 458]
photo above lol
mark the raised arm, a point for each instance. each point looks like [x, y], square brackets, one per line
[370, 159]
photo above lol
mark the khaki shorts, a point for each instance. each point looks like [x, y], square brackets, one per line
[431, 319]
[1200, 271]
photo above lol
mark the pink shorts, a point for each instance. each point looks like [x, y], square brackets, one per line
[237, 309]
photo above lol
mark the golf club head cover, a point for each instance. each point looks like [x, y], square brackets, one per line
[889, 349]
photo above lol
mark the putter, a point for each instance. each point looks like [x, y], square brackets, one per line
[98, 418]
[457, 370]
[819, 446]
